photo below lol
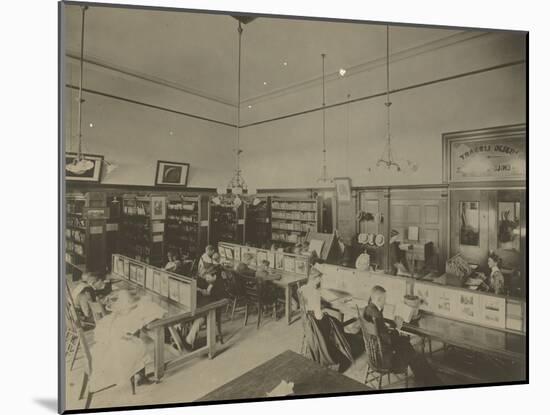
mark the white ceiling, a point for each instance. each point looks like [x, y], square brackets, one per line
[199, 51]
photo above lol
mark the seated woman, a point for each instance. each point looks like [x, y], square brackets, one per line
[326, 341]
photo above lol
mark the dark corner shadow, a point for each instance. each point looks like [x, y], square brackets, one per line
[48, 403]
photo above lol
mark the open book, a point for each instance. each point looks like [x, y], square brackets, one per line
[402, 310]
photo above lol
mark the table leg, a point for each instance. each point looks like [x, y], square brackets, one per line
[158, 339]
[211, 333]
[287, 303]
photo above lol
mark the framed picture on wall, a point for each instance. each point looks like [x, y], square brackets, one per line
[158, 204]
[171, 173]
[87, 169]
[343, 188]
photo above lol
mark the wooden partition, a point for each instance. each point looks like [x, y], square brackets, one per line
[292, 263]
[178, 288]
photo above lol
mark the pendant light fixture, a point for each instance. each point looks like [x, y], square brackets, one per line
[324, 173]
[237, 185]
[80, 165]
[387, 159]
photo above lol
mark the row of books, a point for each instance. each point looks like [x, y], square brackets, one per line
[287, 237]
[75, 247]
[140, 209]
[293, 215]
[294, 205]
[182, 218]
[294, 226]
[76, 235]
[76, 222]
[186, 206]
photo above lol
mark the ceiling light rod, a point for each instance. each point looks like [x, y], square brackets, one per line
[389, 162]
[324, 176]
[80, 100]
[237, 184]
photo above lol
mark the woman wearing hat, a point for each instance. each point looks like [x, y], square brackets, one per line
[398, 258]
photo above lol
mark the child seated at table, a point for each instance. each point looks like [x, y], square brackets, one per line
[84, 295]
[206, 258]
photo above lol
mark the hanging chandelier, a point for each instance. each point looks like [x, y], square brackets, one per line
[387, 159]
[324, 173]
[80, 165]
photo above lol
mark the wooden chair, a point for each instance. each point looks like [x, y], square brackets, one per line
[253, 292]
[378, 361]
[235, 292]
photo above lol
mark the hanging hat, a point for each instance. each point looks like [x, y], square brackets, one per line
[393, 233]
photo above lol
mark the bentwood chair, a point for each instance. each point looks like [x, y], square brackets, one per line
[378, 359]
[254, 296]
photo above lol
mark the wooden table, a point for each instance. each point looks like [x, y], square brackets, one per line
[504, 344]
[287, 282]
[309, 379]
[175, 314]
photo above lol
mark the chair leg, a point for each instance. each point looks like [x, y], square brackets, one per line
[259, 316]
[219, 329]
[430, 346]
[133, 384]
[233, 308]
[246, 314]
[380, 381]
[389, 378]
[303, 347]
[407, 379]
[75, 353]
[88, 400]
[84, 386]
[367, 373]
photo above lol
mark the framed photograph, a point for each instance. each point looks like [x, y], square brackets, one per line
[170, 173]
[158, 208]
[343, 188]
[88, 169]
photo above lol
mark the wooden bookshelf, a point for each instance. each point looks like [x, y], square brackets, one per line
[142, 228]
[258, 222]
[292, 219]
[114, 206]
[186, 228]
[226, 223]
[85, 220]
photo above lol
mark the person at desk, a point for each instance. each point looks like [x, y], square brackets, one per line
[398, 257]
[243, 267]
[206, 258]
[324, 335]
[84, 295]
[345, 254]
[263, 276]
[495, 281]
[209, 288]
[174, 264]
[397, 349]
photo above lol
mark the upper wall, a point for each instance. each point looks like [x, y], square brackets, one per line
[133, 137]
[288, 152]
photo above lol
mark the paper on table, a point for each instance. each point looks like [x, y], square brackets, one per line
[316, 245]
[282, 389]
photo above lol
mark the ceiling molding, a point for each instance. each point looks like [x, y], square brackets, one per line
[357, 69]
[130, 73]
[369, 65]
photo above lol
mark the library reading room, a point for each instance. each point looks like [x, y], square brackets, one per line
[262, 206]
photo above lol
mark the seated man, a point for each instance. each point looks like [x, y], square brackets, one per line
[402, 351]
[243, 267]
[210, 288]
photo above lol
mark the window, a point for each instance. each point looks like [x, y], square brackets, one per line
[469, 223]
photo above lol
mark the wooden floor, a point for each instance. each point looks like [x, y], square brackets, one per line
[244, 349]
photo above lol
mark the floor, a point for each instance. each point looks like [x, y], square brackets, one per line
[244, 348]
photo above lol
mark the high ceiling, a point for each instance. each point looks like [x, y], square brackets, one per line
[199, 51]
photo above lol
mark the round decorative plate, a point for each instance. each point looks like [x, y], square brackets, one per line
[370, 238]
[379, 240]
